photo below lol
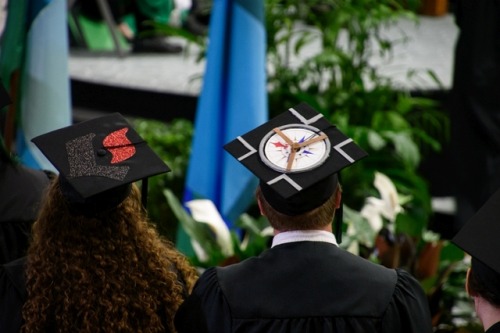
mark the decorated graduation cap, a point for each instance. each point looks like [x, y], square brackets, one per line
[98, 160]
[297, 157]
[479, 236]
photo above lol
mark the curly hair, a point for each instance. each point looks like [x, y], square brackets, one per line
[109, 273]
[318, 217]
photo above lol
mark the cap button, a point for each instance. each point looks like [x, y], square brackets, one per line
[101, 152]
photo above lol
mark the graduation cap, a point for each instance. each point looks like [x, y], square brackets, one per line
[98, 159]
[297, 157]
[479, 236]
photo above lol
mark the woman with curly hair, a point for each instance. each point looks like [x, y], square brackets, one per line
[96, 263]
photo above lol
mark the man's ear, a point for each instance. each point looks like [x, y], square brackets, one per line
[467, 289]
[260, 207]
[338, 196]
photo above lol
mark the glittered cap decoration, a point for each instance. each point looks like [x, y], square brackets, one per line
[479, 237]
[293, 153]
[100, 154]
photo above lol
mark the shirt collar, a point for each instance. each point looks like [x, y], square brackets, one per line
[304, 235]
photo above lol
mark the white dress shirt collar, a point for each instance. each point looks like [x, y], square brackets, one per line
[304, 235]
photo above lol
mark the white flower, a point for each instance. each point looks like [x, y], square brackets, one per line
[388, 206]
[204, 211]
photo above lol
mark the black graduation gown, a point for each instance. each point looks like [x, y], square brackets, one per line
[305, 287]
[21, 190]
[475, 106]
[12, 295]
[494, 329]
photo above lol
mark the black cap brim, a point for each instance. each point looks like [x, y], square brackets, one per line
[479, 236]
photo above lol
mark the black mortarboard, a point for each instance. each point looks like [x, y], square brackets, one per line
[296, 156]
[98, 157]
[479, 236]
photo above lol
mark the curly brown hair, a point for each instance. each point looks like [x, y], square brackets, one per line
[109, 273]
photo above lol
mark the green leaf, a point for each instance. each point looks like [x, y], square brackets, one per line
[451, 253]
[375, 140]
[197, 231]
[364, 232]
[405, 147]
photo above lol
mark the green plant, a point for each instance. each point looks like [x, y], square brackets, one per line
[213, 242]
[172, 142]
[451, 307]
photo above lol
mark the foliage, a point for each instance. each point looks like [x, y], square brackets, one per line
[172, 142]
[256, 235]
[452, 308]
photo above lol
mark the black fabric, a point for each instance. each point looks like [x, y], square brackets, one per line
[479, 236]
[303, 201]
[91, 206]
[475, 106]
[21, 190]
[494, 329]
[305, 287]
[12, 295]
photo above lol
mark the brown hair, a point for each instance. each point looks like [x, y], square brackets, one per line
[483, 281]
[109, 273]
[316, 218]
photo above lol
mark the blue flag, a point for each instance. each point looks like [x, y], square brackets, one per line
[233, 101]
[37, 32]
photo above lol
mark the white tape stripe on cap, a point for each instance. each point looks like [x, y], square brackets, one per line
[304, 120]
[286, 178]
[338, 147]
[251, 149]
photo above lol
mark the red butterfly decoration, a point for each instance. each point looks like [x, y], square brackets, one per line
[120, 147]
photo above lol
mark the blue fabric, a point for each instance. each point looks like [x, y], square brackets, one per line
[233, 101]
[44, 103]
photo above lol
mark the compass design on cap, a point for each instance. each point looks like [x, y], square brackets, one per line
[294, 148]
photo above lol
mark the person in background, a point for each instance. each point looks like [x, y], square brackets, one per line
[475, 106]
[96, 263]
[142, 35]
[305, 282]
[21, 190]
[479, 238]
